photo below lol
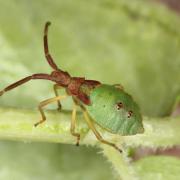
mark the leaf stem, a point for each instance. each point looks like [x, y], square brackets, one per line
[17, 124]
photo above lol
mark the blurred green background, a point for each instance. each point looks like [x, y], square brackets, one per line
[135, 43]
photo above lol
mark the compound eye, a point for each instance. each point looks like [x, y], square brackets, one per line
[130, 113]
[119, 105]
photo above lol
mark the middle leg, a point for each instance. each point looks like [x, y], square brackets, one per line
[73, 123]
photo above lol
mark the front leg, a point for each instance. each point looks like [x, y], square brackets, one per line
[56, 87]
[45, 103]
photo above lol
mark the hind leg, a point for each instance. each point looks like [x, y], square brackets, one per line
[96, 133]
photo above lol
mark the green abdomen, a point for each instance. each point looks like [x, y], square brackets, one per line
[103, 110]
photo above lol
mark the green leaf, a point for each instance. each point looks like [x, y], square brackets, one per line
[135, 43]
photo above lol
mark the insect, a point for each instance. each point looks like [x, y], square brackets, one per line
[108, 106]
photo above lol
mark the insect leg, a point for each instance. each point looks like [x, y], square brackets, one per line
[118, 86]
[46, 48]
[45, 103]
[98, 136]
[73, 123]
[24, 80]
[56, 87]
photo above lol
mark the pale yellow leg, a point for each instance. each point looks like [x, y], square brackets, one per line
[98, 136]
[45, 103]
[119, 86]
[73, 123]
[56, 87]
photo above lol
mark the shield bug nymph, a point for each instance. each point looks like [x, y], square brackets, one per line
[108, 106]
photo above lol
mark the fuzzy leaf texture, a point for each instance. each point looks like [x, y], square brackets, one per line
[134, 43]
